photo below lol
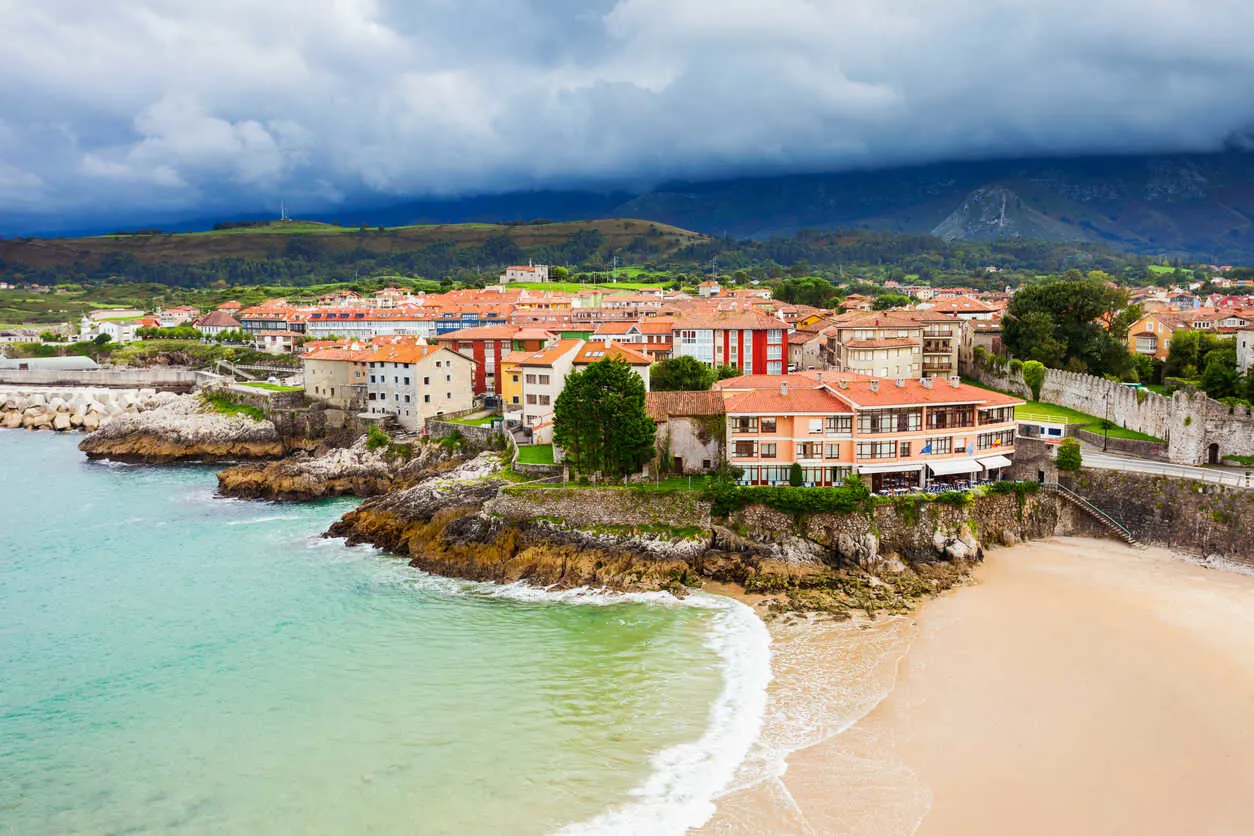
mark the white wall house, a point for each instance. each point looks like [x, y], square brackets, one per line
[415, 383]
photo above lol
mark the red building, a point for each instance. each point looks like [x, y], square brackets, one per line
[487, 344]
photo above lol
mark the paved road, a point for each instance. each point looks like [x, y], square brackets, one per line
[1216, 475]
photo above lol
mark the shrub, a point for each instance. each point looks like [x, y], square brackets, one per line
[1016, 366]
[796, 477]
[1034, 377]
[1068, 457]
[726, 499]
[376, 438]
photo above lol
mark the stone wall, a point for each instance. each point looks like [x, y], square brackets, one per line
[1189, 422]
[1132, 447]
[161, 379]
[478, 435]
[1181, 514]
[690, 440]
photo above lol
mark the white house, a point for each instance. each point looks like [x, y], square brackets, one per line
[417, 382]
[530, 273]
[216, 322]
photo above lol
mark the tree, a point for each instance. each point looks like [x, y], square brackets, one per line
[1068, 456]
[681, 374]
[559, 274]
[796, 477]
[809, 290]
[725, 372]
[891, 300]
[599, 419]
[1034, 377]
[1074, 321]
[1143, 366]
[1220, 378]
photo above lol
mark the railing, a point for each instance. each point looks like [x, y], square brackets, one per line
[1110, 523]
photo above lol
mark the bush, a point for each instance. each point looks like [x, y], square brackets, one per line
[1068, 457]
[376, 438]
[726, 499]
[796, 477]
[1016, 366]
[1034, 377]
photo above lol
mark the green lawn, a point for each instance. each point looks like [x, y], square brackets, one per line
[1063, 415]
[1156, 388]
[535, 454]
[575, 287]
[485, 421]
[274, 387]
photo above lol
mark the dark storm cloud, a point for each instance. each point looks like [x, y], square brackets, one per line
[176, 106]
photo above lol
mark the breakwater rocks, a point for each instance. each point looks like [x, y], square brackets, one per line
[348, 471]
[185, 428]
[469, 523]
[62, 409]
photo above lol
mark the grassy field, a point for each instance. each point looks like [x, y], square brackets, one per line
[485, 421]
[575, 287]
[535, 454]
[1063, 415]
[273, 387]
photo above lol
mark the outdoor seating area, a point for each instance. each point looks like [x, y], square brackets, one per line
[932, 487]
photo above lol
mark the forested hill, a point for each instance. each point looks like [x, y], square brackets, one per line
[302, 252]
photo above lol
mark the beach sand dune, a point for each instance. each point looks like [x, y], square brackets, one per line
[1081, 687]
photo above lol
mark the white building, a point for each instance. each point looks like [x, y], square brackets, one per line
[119, 331]
[417, 382]
[530, 273]
[544, 376]
[1245, 350]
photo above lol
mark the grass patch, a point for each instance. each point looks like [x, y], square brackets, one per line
[485, 421]
[1244, 461]
[535, 454]
[273, 387]
[224, 406]
[575, 287]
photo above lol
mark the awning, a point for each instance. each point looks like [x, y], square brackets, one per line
[889, 468]
[949, 467]
[994, 462]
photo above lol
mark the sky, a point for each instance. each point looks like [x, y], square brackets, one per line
[190, 108]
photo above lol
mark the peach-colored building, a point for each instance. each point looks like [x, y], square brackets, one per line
[896, 434]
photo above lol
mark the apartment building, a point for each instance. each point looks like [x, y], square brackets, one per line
[334, 375]
[893, 344]
[544, 376]
[907, 432]
[747, 340]
[415, 383]
[591, 352]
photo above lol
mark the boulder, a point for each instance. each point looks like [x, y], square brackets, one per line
[12, 420]
[61, 421]
[76, 419]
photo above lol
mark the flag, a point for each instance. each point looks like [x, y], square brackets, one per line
[927, 448]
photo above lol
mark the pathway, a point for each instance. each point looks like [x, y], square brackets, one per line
[1233, 477]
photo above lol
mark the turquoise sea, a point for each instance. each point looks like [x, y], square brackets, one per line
[175, 662]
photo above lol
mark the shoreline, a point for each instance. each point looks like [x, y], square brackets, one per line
[997, 696]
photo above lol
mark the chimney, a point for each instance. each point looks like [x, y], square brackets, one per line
[818, 376]
[955, 381]
[875, 384]
[901, 383]
[783, 389]
[926, 383]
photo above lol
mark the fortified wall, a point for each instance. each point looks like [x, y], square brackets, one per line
[1197, 429]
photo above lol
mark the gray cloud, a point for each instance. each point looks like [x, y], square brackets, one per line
[186, 106]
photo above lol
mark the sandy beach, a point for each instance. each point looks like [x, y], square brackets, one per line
[1079, 687]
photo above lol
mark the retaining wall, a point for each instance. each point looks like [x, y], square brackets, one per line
[161, 379]
[1132, 447]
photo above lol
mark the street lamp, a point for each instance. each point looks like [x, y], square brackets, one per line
[1106, 420]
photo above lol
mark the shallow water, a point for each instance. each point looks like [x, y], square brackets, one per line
[172, 661]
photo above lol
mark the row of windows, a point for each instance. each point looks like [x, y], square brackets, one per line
[396, 397]
[404, 381]
[770, 450]
[537, 400]
[1001, 439]
[890, 421]
[779, 475]
[1000, 415]
[832, 424]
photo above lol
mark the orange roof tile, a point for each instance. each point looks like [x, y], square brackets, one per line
[778, 402]
[592, 352]
[548, 356]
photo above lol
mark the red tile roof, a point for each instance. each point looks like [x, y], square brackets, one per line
[780, 402]
[663, 405]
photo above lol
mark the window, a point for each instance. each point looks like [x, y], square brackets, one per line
[1001, 415]
[744, 424]
[544, 400]
[688, 337]
[406, 381]
[838, 424]
[1005, 438]
[426, 381]
[774, 352]
[903, 449]
[939, 446]
[396, 378]
[515, 377]
[372, 378]
[531, 378]
[877, 449]
[771, 368]
[544, 380]
[768, 451]
[514, 399]
[810, 450]
[531, 400]
[774, 335]
[744, 449]
[768, 425]
[448, 396]
[426, 399]
[816, 425]
[396, 397]
[889, 420]
[407, 399]
[833, 451]
[946, 417]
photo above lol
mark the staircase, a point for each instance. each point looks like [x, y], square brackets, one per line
[1108, 522]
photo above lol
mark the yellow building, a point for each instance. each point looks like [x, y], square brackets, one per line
[511, 384]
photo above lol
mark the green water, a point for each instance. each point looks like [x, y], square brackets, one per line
[175, 662]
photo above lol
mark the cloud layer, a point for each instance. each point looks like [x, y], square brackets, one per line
[177, 107]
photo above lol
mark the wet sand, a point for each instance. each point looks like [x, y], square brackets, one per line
[1081, 687]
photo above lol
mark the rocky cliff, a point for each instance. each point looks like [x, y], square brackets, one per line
[349, 471]
[470, 523]
[184, 429]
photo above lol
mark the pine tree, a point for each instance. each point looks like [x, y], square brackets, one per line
[599, 420]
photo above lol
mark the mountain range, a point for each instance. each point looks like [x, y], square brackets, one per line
[1192, 206]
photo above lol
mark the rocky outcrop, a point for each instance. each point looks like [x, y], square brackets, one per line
[184, 429]
[62, 409]
[349, 471]
[469, 523]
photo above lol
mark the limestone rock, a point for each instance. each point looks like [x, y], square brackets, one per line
[184, 429]
[61, 421]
